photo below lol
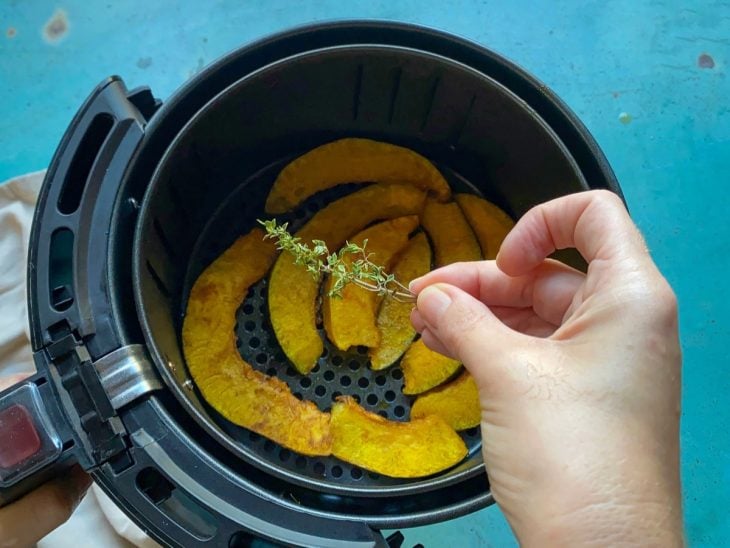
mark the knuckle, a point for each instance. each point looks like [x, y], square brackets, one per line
[666, 299]
[607, 197]
[653, 298]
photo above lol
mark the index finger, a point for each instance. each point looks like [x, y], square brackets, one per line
[596, 223]
[548, 289]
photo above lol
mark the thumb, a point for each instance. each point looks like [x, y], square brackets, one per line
[464, 327]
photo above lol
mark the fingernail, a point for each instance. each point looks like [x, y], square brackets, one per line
[433, 302]
[417, 320]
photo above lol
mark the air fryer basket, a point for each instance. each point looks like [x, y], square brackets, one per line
[210, 188]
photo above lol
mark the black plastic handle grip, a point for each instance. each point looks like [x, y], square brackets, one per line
[66, 274]
[57, 417]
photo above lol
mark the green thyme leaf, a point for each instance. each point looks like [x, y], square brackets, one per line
[343, 266]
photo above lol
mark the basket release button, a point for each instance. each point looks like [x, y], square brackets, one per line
[28, 440]
[19, 439]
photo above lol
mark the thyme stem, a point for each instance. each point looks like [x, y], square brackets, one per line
[349, 265]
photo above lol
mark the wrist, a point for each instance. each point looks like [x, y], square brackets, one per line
[610, 524]
[639, 510]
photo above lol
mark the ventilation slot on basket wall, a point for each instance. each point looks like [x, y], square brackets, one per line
[60, 270]
[176, 505]
[83, 160]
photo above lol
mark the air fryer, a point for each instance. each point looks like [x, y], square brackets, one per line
[141, 196]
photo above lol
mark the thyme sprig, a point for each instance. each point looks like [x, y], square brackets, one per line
[350, 265]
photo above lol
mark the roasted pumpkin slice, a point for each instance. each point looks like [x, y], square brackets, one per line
[453, 241]
[231, 386]
[452, 238]
[456, 402]
[352, 161]
[350, 319]
[265, 405]
[397, 449]
[394, 317]
[490, 224]
[423, 368]
[293, 291]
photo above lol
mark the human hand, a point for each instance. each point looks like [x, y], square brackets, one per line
[578, 375]
[27, 520]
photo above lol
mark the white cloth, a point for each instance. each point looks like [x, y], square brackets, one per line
[97, 521]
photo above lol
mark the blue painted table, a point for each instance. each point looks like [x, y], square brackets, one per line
[649, 79]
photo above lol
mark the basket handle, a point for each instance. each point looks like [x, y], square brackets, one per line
[44, 428]
[66, 280]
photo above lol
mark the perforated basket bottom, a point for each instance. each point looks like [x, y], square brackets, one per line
[336, 372]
